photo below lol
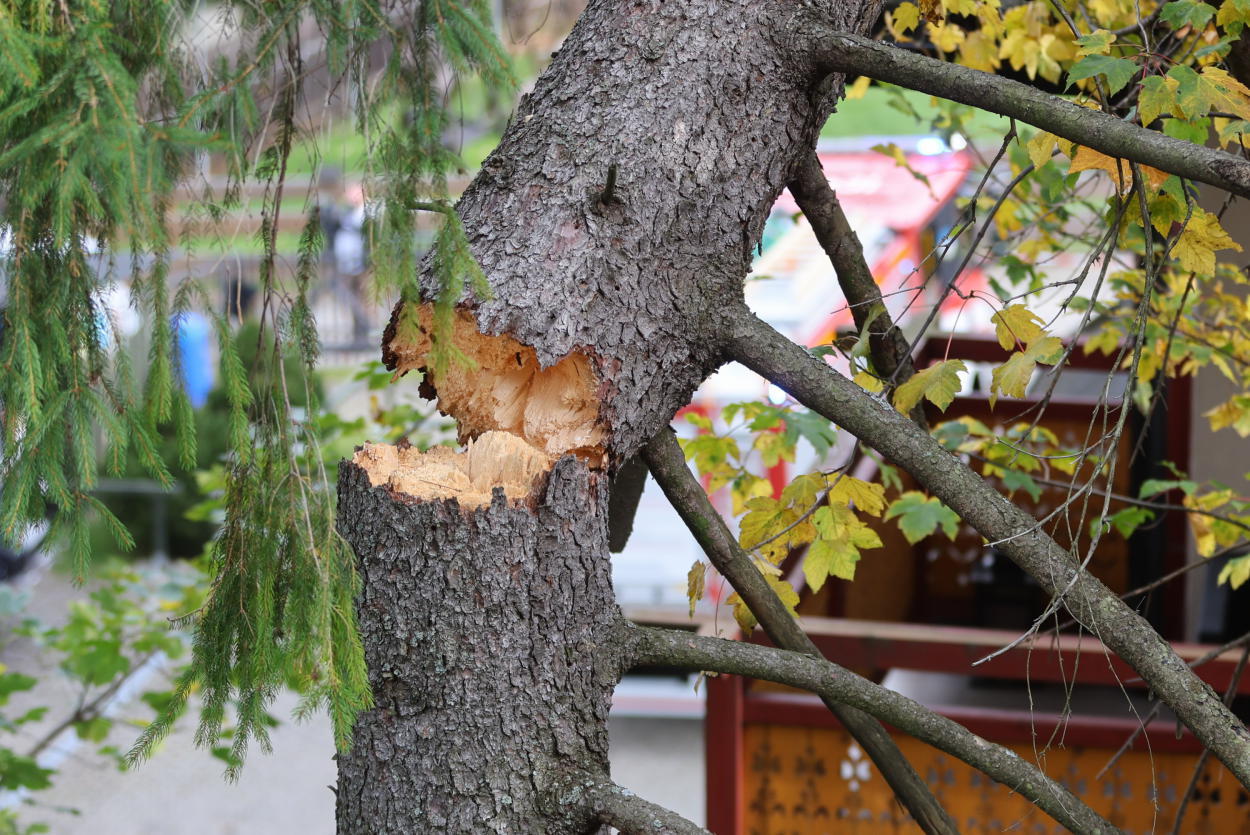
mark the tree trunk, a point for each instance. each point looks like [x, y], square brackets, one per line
[487, 634]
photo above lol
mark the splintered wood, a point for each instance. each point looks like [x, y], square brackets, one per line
[496, 459]
[555, 409]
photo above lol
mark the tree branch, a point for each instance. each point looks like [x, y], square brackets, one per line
[846, 53]
[835, 683]
[668, 464]
[1017, 534]
[633, 815]
[819, 203]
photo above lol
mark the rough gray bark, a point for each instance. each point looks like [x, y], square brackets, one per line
[488, 635]
[703, 111]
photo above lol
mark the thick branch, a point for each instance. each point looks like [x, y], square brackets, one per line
[819, 204]
[664, 456]
[633, 815]
[846, 53]
[1014, 532]
[834, 683]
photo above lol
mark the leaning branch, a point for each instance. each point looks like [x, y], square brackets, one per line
[834, 683]
[819, 203]
[668, 464]
[1017, 534]
[632, 815]
[846, 53]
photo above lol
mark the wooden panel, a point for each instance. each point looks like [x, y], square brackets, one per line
[953, 649]
[810, 780]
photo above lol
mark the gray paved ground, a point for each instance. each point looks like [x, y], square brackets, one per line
[181, 790]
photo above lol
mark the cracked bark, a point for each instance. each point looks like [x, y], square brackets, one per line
[487, 630]
[488, 635]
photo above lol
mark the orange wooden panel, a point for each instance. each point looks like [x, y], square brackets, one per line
[808, 781]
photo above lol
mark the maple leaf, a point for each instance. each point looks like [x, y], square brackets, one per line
[1235, 572]
[1041, 147]
[1118, 71]
[1158, 96]
[867, 496]
[920, 515]
[1198, 242]
[939, 383]
[1097, 42]
[932, 10]
[1087, 159]
[695, 580]
[1016, 325]
[1012, 377]
[906, 17]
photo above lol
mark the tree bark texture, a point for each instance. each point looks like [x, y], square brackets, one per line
[488, 635]
[702, 110]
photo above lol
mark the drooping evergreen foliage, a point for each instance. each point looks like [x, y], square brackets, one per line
[104, 108]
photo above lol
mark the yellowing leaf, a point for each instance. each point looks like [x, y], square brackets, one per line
[1012, 377]
[1234, 412]
[868, 496]
[1040, 146]
[1097, 42]
[979, 52]
[1199, 241]
[1015, 326]
[905, 17]
[804, 490]
[746, 488]
[695, 579]
[1087, 159]
[946, 36]
[1158, 96]
[773, 448]
[746, 620]
[939, 383]
[1235, 572]
[859, 88]
[869, 382]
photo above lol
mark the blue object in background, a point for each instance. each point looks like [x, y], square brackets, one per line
[193, 333]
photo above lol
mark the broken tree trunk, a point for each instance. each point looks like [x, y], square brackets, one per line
[486, 623]
[607, 306]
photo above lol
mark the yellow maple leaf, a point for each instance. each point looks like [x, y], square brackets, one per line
[946, 36]
[905, 17]
[932, 10]
[1087, 159]
[1041, 147]
[695, 580]
[1016, 325]
[1199, 241]
[867, 495]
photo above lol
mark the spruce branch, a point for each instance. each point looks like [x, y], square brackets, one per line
[816, 385]
[668, 465]
[834, 683]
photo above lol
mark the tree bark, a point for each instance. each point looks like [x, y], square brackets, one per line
[703, 112]
[488, 635]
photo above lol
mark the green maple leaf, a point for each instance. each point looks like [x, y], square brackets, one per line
[920, 515]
